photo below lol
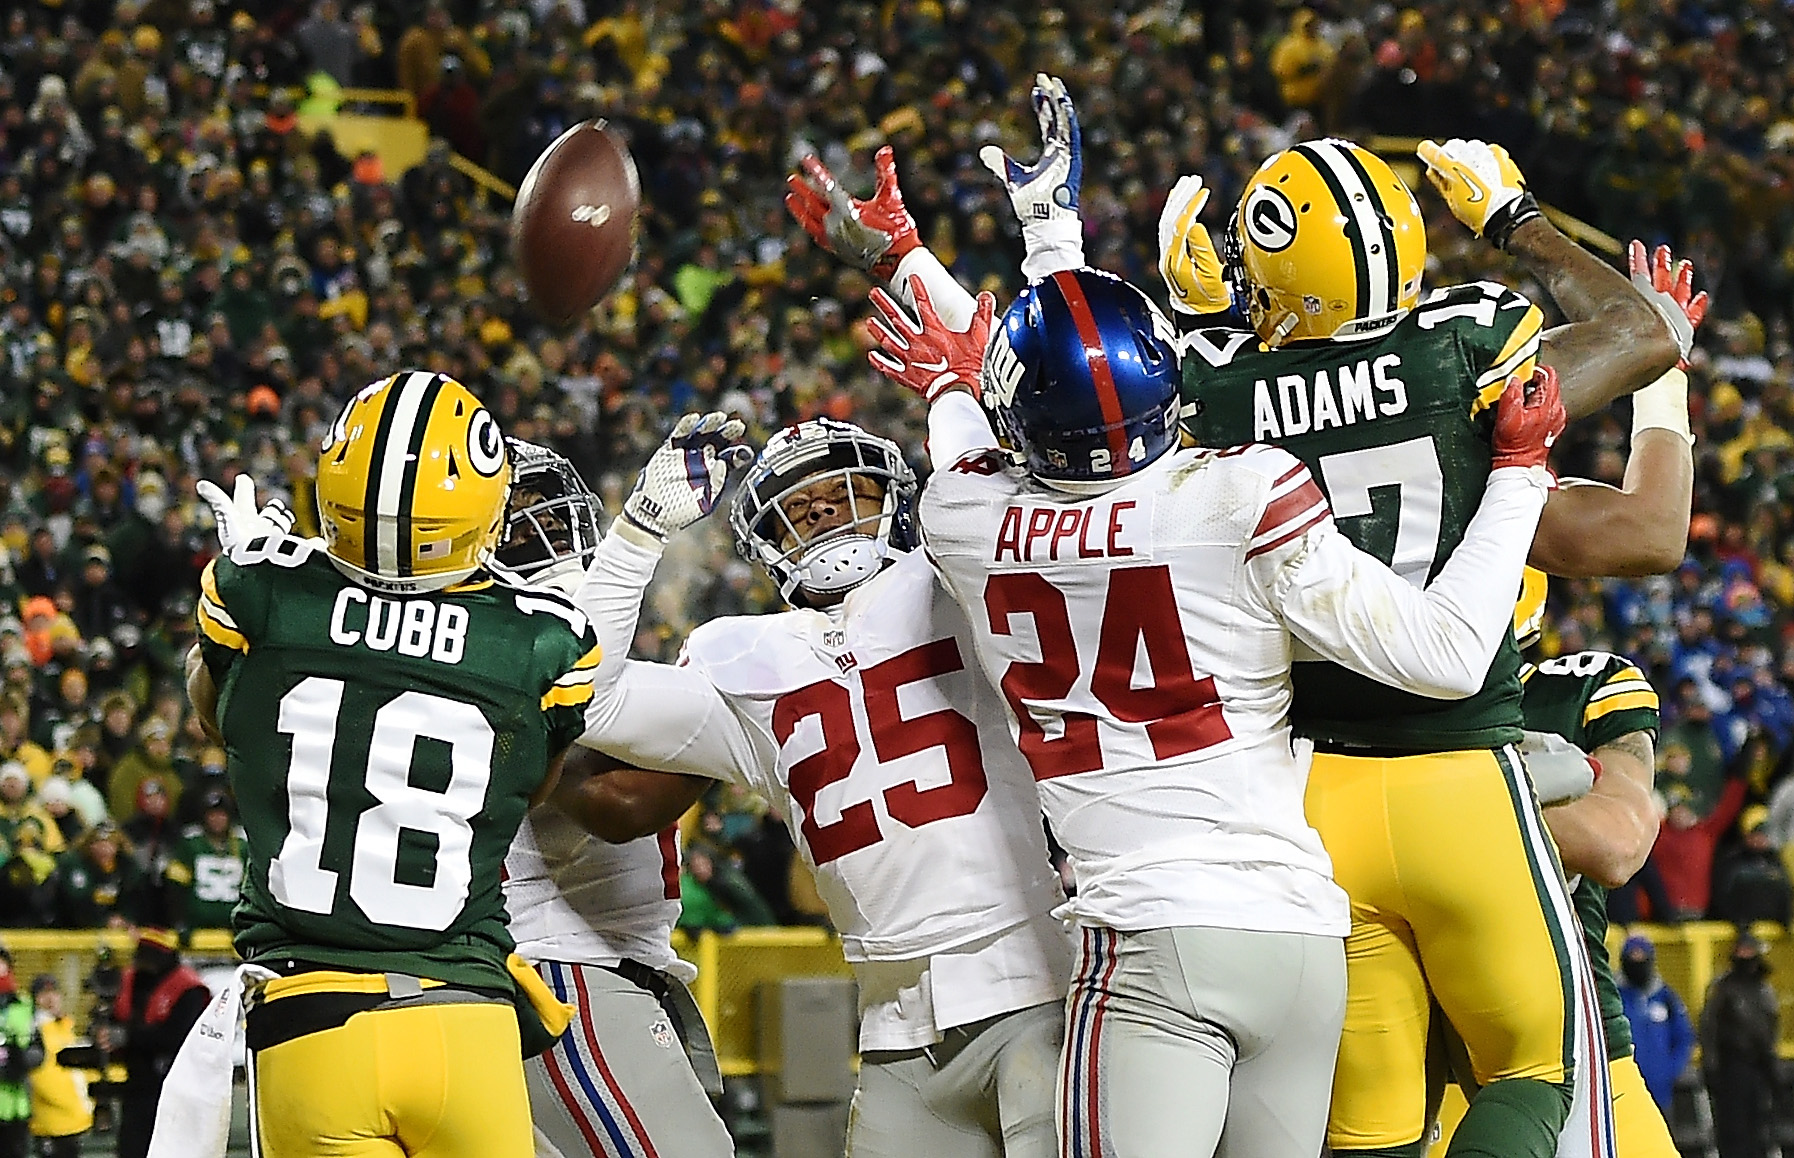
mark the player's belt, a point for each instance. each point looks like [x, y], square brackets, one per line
[940, 1055]
[290, 1008]
[1334, 748]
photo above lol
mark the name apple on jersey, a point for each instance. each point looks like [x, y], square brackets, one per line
[1100, 530]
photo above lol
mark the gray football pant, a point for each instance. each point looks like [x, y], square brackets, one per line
[618, 1084]
[993, 1100]
[1197, 1041]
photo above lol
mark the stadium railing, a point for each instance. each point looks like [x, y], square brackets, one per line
[733, 966]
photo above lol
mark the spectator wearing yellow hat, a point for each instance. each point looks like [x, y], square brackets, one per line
[1750, 883]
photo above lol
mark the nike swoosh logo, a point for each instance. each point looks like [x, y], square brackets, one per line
[1476, 192]
[940, 365]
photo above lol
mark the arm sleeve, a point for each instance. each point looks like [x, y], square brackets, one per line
[1352, 609]
[673, 719]
[953, 303]
[610, 595]
[957, 427]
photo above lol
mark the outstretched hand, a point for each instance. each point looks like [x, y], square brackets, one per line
[923, 353]
[1669, 286]
[237, 519]
[873, 235]
[686, 475]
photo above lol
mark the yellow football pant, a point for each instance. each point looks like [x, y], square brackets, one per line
[1638, 1127]
[427, 1081]
[1455, 890]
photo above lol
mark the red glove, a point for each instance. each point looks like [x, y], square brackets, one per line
[1670, 290]
[1528, 419]
[873, 235]
[928, 357]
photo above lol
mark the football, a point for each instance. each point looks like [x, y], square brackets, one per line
[573, 224]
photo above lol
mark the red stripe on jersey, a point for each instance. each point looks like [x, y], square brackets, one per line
[1261, 548]
[1292, 472]
[1285, 507]
[1106, 397]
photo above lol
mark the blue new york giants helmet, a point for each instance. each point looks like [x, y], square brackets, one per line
[1081, 377]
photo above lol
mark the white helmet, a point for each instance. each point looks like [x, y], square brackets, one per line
[843, 557]
[552, 523]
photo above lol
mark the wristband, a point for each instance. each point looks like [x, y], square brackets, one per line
[1502, 223]
[1663, 405]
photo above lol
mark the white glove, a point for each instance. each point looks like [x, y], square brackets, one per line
[238, 519]
[684, 478]
[1045, 194]
[1560, 771]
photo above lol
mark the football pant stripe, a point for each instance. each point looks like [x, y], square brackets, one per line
[1070, 1101]
[1100, 375]
[408, 486]
[585, 1024]
[255, 1121]
[558, 974]
[1384, 232]
[1083, 1074]
[1554, 898]
[1342, 183]
[386, 468]
[1108, 938]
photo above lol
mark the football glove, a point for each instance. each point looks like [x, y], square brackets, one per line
[1045, 194]
[685, 476]
[1482, 185]
[872, 235]
[1188, 260]
[927, 355]
[1670, 290]
[1528, 418]
[236, 517]
[1559, 770]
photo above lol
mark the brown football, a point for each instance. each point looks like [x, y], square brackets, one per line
[573, 225]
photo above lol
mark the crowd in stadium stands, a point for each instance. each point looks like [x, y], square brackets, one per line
[193, 283]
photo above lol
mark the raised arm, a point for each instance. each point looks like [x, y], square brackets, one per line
[1644, 522]
[1351, 608]
[942, 363]
[1617, 340]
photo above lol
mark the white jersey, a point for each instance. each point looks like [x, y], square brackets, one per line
[1143, 637]
[578, 899]
[871, 731]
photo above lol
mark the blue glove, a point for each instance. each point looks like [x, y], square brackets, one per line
[1045, 194]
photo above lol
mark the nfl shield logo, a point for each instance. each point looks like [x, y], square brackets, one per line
[834, 640]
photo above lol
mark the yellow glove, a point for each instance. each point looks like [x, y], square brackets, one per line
[1187, 258]
[1481, 184]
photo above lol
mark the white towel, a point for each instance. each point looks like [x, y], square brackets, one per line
[193, 1116]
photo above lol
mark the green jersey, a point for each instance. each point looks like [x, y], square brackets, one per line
[383, 750]
[1591, 699]
[1395, 427]
[207, 875]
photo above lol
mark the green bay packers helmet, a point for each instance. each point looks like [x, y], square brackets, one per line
[1327, 242]
[1529, 609]
[413, 479]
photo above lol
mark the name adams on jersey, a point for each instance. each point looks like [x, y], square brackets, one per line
[1591, 699]
[1395, 428]
[383, 750]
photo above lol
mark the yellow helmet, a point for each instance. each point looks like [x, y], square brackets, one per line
[1327, 242]
[1529, 610]
[413, 479]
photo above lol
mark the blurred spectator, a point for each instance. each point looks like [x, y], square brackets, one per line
[1301, 61]
[1750, 883]
[151, 761]
[1663, 1038]
[715, 895]
[423, 46]
[161, 999]
[153, 835]
[1738, 1056]
[331, 43]
[98, 884]
[206, 872]
[19, 1054]
[18, 808]
[1688, 838]
[61, 1110]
